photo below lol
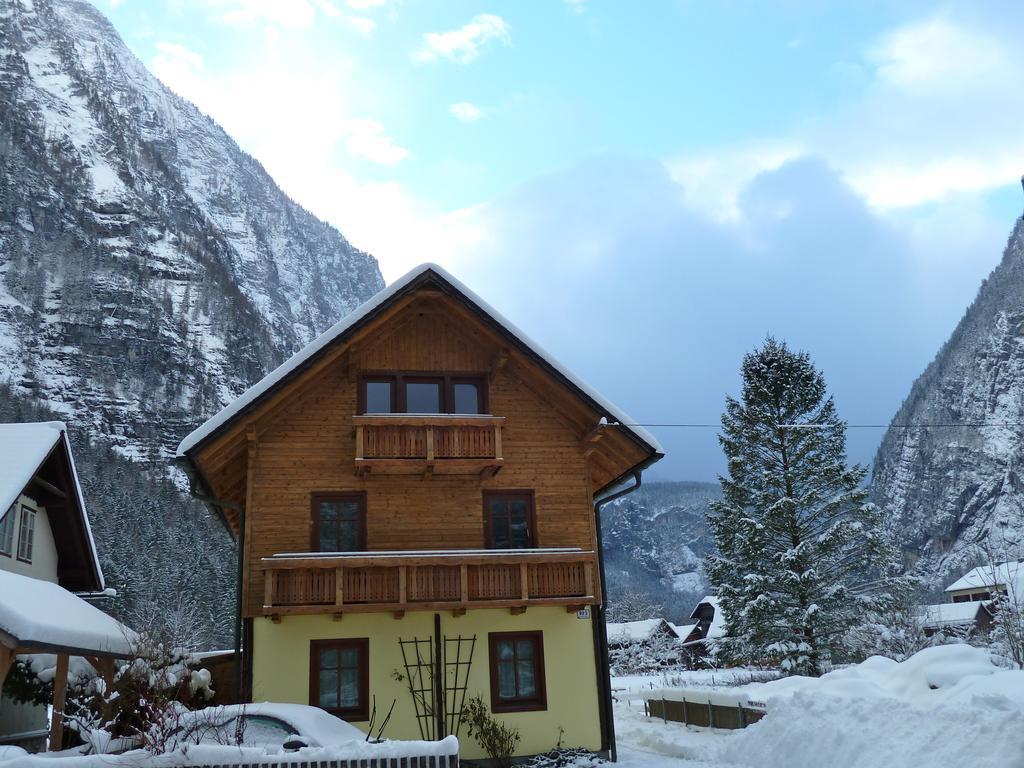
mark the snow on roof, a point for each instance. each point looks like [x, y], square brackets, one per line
[43, 614]
[717, 628]
[308, 352]
[947, 614]
[682, 630]
[635, 630]
[23, 449]
[1010, 574]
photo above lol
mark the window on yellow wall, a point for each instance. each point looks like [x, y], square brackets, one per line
[516, 661]
[339, 677]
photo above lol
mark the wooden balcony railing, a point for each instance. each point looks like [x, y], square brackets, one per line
[448, 580]
[400, 443]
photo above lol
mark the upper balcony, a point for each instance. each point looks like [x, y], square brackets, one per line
[428, 581]
[406, 444]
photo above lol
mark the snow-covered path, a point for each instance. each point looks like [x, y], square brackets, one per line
[650, 743]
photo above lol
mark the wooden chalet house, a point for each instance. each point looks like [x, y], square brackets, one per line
[414, 496]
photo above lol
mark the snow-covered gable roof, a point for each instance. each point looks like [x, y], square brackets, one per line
[1009, 574]
[307, 354]
[24, 448]
[717, 628]
[949, 614]
[41, 614]
[636, 630]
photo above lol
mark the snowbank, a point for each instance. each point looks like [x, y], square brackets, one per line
[947, 706]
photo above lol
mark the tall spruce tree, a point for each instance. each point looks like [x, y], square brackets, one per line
[801, 554]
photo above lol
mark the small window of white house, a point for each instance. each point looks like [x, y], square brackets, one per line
[7, 531]
[26, 534]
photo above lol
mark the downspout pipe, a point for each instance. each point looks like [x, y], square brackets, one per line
[604, 675]
[194, 491]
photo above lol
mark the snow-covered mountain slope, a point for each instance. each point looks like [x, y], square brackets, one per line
[951, 493]
[149, 269]
[655, 540]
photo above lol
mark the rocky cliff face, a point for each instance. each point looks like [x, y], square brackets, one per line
[655, 540]
[952, 492]
[149, 269]
[149, 272]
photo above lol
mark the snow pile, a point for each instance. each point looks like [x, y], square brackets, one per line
[947, 705]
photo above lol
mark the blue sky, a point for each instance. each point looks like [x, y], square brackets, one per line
[648, 189]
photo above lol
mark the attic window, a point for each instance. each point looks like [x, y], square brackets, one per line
[7, 532]
[26, 536]
[424, 392]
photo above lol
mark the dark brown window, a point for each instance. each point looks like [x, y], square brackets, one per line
[509, 520]
[339, 522]
[422, 393]
[517, 671]
[339, 677]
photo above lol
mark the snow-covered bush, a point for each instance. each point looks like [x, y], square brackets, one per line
[631, 656]
[498, 740]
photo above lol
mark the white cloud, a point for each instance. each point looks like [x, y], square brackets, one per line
[466, 111]
[365, 5]
[361, 24]
[462, 45]
[176, 61]
[294, 13]
[937, 117]
[367, 139]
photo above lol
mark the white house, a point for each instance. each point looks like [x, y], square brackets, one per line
[47, 560]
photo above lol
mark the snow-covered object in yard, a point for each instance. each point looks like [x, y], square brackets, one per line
[42, 614]
[196, 755]
[951, 614]
[366, 311]
[945, 706]
[319, 728]
[1000, 576]
[24, 448]
[636, 631]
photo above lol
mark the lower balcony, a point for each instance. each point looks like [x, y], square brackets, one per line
[454, 580]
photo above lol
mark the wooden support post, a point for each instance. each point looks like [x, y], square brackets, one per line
[686, 714]
[268, 588]
[6, 661]
[60, 688]
[359, 442]
[430, 444]
[339, 587]
[464, 583]
[588, 579]
[497, 442]
[403, 586]
[524, 581]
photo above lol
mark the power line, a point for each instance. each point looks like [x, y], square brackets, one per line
[941, 425]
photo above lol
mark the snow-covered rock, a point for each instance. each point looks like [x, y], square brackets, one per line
[950, 492]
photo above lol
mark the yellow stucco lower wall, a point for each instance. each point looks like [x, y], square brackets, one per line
[281, 668]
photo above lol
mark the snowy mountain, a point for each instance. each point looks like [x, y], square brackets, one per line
[655, 540]
[949, 493]
[151, 270]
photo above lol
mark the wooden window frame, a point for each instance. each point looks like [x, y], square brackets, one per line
[31, 517]
[488, 495]
[535, 703]
[398, 397]
[354, 714]
[314, 514]
[12, 511]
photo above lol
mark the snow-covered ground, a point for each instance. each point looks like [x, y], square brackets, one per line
[947, 706]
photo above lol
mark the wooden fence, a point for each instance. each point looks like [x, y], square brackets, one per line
[700, 711]
[285, 761]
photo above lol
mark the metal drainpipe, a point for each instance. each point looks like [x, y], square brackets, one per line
[604, 677]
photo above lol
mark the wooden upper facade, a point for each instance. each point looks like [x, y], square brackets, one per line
[485, 498]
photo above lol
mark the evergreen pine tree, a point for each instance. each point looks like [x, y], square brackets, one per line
[801, 554]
